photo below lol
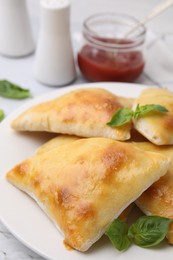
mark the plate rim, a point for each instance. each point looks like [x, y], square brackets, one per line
[43, 98]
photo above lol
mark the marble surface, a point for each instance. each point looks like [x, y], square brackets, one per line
[158, 71]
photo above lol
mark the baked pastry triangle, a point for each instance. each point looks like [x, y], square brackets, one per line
[85, 184]
[156, 127]
[83, 112]
[65, 139]
[158, 199]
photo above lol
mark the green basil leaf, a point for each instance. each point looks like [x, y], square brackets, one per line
[149, 230]
[10, 90]
[142, 110]
[2, 115]
[121, 117]
[117, 233]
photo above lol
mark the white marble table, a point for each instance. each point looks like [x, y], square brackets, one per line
[158, 71]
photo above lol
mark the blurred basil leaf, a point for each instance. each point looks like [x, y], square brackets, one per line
[2, 115]
[13, 91]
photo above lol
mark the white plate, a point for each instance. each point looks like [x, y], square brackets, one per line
[22, 216]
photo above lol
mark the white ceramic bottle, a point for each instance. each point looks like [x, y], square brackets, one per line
[54, 61]
[16, 38]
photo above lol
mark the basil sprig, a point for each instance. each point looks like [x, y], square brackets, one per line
[147, 231]
[117, 233]
[125, 115]
[11, 90]
[2, 115]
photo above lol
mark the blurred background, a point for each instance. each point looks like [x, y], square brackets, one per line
[158, 70]
[159, 36]
[80, 9]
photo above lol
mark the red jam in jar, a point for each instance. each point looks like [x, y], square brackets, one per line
[105, 56]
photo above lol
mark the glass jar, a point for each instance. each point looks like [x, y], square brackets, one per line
[108, 53]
